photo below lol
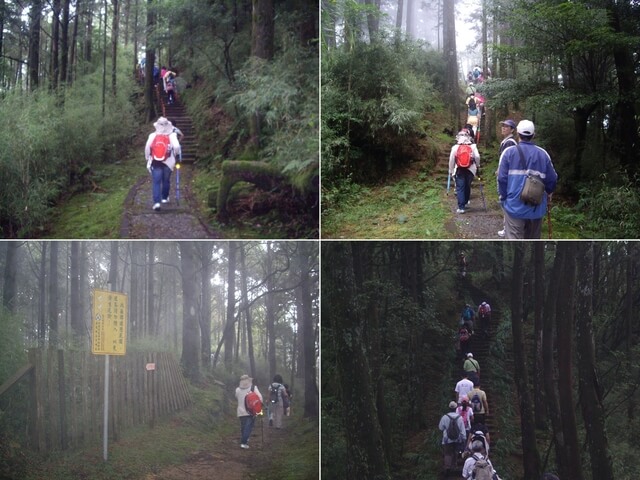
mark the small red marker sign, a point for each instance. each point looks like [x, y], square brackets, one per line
[150, 366]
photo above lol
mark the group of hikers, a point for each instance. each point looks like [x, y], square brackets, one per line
[476, 76]
[464, 429]
[251, 404]
[525, 175]
[160, 74]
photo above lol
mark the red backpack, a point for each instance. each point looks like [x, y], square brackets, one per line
[160, 147]
[464, 156]
[252, 403]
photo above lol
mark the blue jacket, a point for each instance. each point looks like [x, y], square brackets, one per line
[512, 174]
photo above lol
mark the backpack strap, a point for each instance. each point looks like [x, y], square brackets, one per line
[524, 162]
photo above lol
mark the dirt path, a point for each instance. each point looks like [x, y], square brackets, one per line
[226, 460]
[172, 220]
[481, 219]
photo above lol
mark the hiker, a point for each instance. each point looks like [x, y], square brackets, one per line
[286, 404]
[478, 466]
[466, 412]
[508, 130]
[471, 89]
[453, 436]
[161, 151]
[463, 388]
[464, 162]
[462, 264]
[463, 341]
[246, 419]
[519, 170]
[468, 316]
[176, 129]
[156, 75]
[479, 403]
[472, 367]
[472, 112]
[277, 394]
[469, 129]
[484, 315]
[480, 434]
[169, 79]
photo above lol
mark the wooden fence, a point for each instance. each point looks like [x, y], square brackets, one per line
[67, 395]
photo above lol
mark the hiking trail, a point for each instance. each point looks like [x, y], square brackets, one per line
[226, 460]
[173, 220]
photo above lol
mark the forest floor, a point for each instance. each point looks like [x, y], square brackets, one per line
[173, 220]
[200, 442]
[413, 203]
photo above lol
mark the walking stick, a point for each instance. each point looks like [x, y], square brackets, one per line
[549, 216]
[178, 180]
[484, 203]
[448, 182]
[262, 428]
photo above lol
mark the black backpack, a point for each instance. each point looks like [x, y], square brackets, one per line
[273, 393]
[453, 432]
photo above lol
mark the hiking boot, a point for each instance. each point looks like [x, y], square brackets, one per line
[460, 210]
[501, 233]
[156, 206]
[244, 445]
[165, 200]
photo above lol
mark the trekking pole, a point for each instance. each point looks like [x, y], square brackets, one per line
[549, 216]
[484, 203]
[448, 182]
[262, 428]
[178, 180]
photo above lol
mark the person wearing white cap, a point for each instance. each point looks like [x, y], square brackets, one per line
[464, 162]
[450, 446]
[523, 218]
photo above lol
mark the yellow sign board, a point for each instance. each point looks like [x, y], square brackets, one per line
[109, 323]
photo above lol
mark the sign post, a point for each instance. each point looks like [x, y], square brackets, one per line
[109, 327]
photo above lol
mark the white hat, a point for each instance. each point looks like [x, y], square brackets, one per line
[469, 355]
[163, 126]
[453, 405]
[245, 381]
[526, 128]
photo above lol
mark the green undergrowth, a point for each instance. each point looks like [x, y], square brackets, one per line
[98, 213]
[144, 450]
[409, 208]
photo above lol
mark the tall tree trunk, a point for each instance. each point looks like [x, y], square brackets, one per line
[55, 44]
[52, 291]
[451, 62]
[150, 56]
[538, 378]
[593, 411]
[150, 323]
[270, 314]
[373, 19]
[34, 43]
[190, 341]
[531, 461]
[42, 297]
[10, 289]
[115, 34]
[565, 318]
[399, 15]
[229, 329]
[73, 56]
[627, 124]
[306, 253]
[363, 435]
[205, 252]
[247, 311]
[74, 292]
[262, 34]
[64, 42]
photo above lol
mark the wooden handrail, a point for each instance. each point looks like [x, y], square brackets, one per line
[16, 377]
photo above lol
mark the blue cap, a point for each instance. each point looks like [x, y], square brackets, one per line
[509, 123]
